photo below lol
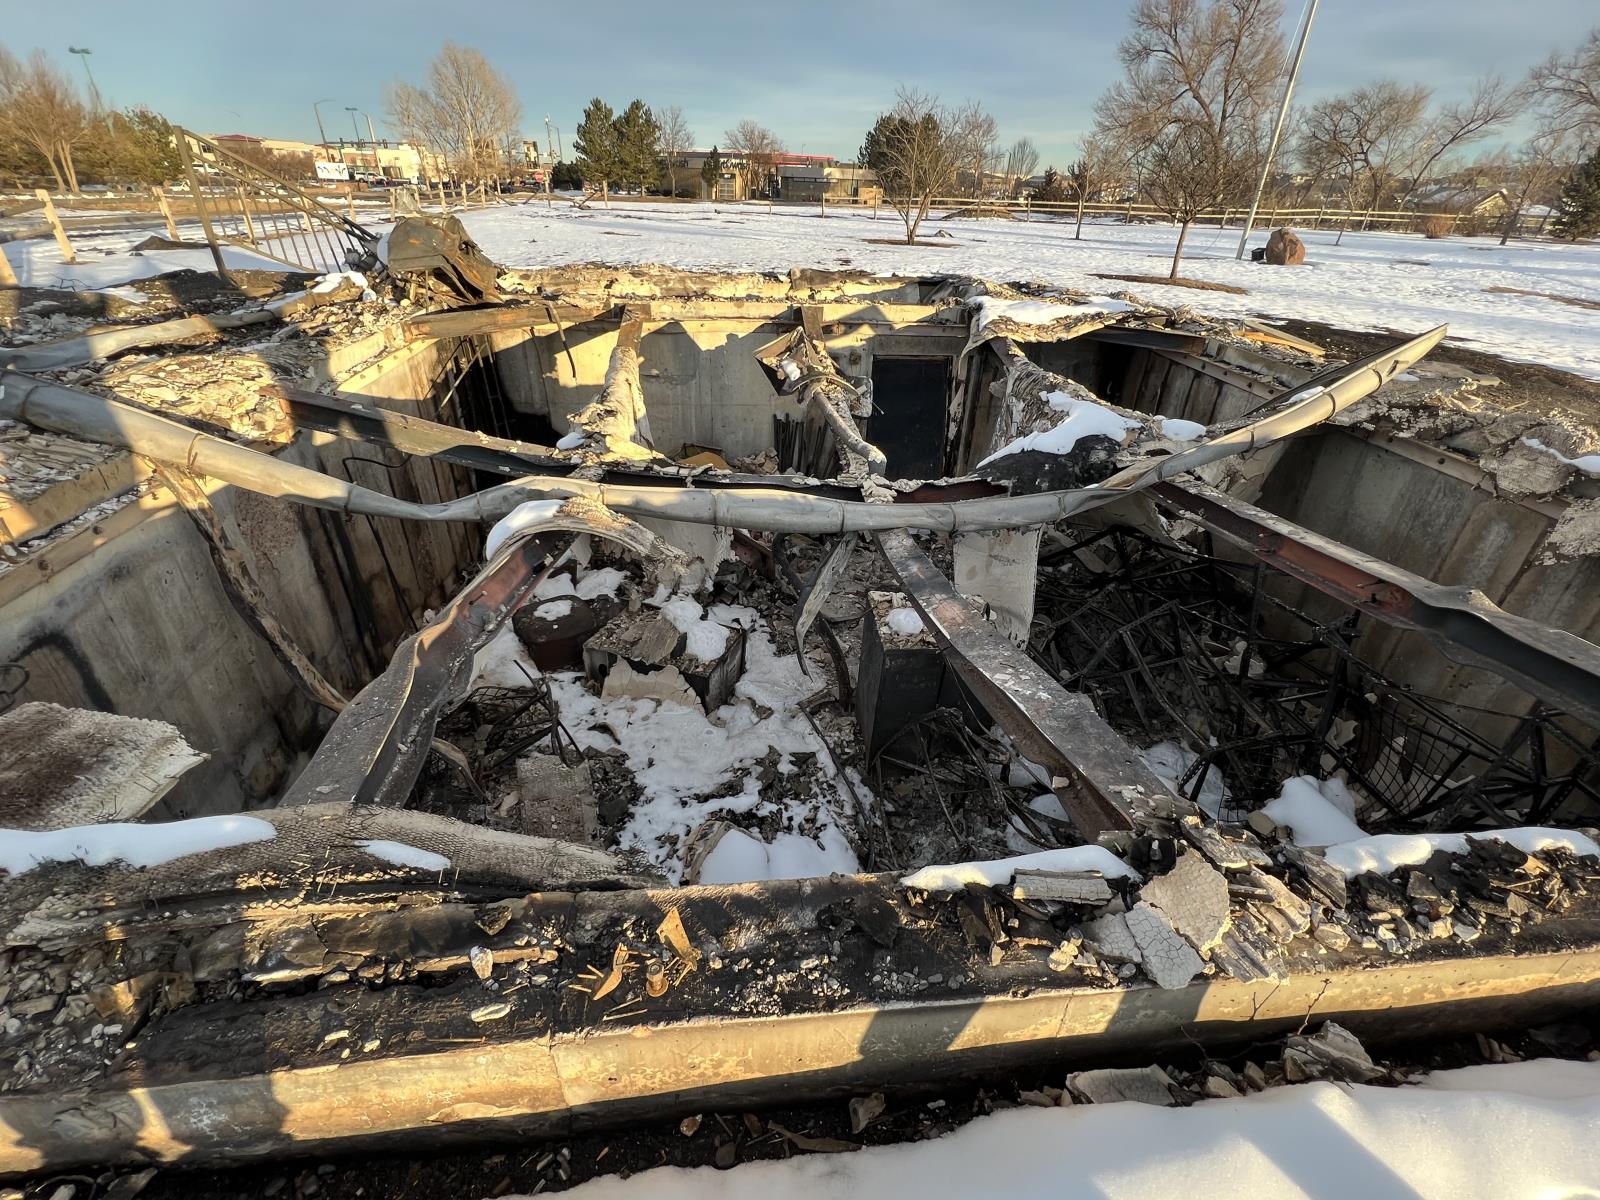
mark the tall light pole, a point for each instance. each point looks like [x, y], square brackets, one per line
[83, 53]
[1277, 129]
[317, 108]
[352, 110]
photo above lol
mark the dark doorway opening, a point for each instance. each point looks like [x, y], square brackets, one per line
[910, 397]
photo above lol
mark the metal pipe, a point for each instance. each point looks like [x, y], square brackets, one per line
[84, 414]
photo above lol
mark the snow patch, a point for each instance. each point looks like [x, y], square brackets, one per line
[1170, 762]
[739, 857]
[1084, 419]
[524, 516]
[1044, 312]
[402, 855]
[952, 877]
[1589, 464]
[1307, 811]
[137, 845]
[906, 622]
[1181, 431]
[1385, 853]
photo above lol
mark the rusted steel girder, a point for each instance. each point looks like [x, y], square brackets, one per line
[1058, 729]
[1462, 623]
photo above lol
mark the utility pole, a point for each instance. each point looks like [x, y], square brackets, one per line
[1277, 129]
[322, 134]
[353, 110]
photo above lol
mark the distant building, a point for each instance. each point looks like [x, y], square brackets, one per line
[392, 160]
[795, 177]
[1463, 201]
[831, 182]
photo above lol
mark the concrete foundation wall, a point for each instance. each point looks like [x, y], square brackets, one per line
[702, 383]
[131, 616]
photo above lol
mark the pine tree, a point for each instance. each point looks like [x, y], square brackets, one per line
[636, 135]
[711, 172]
[1580, 203]
[596, 145]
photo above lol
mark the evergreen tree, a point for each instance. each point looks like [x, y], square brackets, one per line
[1053, 187]
[1580, 203]
[596, 145]
[636, 135]
[711, 172]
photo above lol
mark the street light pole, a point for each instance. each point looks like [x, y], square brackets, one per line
[317, 108]
[83, 53]
[356, 129]
[1277, 129]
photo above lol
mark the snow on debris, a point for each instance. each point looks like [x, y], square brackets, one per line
[1385, 853]
[137, 845]
[703, 639]
[741, 857]
[1312, 817]
[1482, 1133]
[528, 515]
[1169, 761]
[1084, 419]
[1181, 431]
[1589, 464]
[402, 855]
[906, 622]
[1044, 312]
[952, 877]
[680, 756]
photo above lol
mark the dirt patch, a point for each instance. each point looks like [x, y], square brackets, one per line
[1575, 301]
[1524, 387]
[903, 242]
[1204, 285]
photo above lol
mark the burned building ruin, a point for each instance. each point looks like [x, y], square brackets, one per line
[456, 704]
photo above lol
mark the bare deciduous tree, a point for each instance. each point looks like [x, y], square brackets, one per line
[1101, 164]
[1189, 168]
[916, 149]
[676, 140]
[757, 149]
[1021, 160]
[1535, 172]
[1202, 76]
[1454, 127]
[974, 132]
[40, 110]
[1567, 88]
[1364, 139]
[465, 112]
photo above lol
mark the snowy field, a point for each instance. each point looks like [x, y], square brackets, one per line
[1372, 281]
[1516, 1131]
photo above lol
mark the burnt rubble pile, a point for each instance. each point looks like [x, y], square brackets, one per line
[1220, 900]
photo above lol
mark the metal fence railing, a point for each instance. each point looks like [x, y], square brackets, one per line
[242, 204]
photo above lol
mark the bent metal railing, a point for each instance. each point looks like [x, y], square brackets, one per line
[241, 203]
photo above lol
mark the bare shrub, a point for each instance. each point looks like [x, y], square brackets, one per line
[1438, 225]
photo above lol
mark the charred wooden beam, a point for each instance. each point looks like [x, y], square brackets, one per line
[1098, 772]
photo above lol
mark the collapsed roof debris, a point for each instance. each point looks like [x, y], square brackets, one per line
[1142, 754]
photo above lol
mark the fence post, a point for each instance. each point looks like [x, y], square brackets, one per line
[55, 226]
[8, 277]
[350, 202]
[392, 212]
[166, 213]
[200, 207]
[244, 211]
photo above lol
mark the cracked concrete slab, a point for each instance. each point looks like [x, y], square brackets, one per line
[1193, 897]
[1169, 960]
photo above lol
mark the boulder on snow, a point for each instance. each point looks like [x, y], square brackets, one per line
[1284, 249]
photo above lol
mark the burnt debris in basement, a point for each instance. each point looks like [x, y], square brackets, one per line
[414, 688]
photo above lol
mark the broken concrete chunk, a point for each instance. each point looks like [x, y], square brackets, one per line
[1140, 1085]
[1076, 887]
[1333, 1052]
[1224, 851]
[1169, 960]
[1111, 938]
[1193, 897]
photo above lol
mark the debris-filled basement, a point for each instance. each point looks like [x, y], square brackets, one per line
[526, 725]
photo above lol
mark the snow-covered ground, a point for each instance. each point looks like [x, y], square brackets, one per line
[1372, 281]
[1516, 1130]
